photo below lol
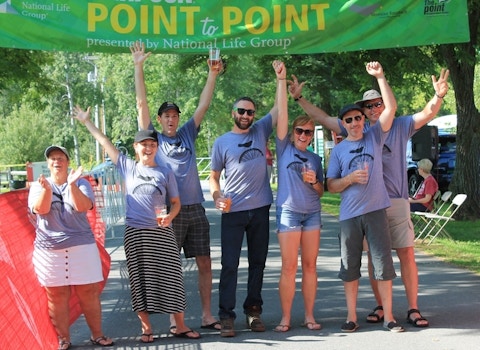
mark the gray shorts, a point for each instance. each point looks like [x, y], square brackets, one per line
[374, 226]
[401, 227]
[192, 230]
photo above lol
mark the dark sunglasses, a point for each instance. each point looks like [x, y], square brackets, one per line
[242, 111]
[376, 104]
[300, 131]
[350, 119]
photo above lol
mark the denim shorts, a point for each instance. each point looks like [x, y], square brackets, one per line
[288, 221]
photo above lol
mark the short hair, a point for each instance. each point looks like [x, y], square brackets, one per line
[425, 164]
[244, 98]
[299, 121]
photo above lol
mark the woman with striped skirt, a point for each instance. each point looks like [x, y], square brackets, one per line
[153, 260]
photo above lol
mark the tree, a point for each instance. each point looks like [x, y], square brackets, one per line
[461, 60]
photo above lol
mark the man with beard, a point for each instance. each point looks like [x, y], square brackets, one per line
[241, 154]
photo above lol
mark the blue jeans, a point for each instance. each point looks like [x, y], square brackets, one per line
[255, 223]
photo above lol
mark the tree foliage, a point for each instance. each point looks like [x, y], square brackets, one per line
[38, 90]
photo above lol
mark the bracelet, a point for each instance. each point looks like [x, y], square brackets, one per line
[281, 78]
[298, 98]
[316, 182]
[439, 95]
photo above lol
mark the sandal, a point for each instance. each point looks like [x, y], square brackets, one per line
[282, 328]
[190, 334]
[393, 326]
[63, 344]
[373, 317]
[102, 341]
[313, 326]
[148, 338]
[418, 319]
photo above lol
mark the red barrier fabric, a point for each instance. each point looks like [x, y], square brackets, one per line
[24, 320]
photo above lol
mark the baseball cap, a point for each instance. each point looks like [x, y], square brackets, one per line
[367, 96]
[348, 108]
[56, 148]
[146, 135]
[166, 106]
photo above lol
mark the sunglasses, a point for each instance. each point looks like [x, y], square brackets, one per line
[242, 111]
[376, 104]
[350, 119]
[300, 131]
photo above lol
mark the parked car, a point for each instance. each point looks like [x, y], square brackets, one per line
[437, 142]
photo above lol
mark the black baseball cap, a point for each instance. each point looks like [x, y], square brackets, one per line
[166, 106]
[146, 135]
[348, 108]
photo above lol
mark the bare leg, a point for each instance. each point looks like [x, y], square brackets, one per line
[289, 245]
[181, 327]
[376, 293]
[351, 292]
[385, 290]
[409, 271]
[310, 242]
[58, 310]
[204, 264]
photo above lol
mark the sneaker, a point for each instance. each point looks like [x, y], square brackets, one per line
[393, 326]
[227, 329]
[254, 322]
[349, 327]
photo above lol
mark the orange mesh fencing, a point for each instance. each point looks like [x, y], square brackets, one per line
[24, 320]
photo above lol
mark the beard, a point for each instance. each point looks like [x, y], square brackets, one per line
[243, 126]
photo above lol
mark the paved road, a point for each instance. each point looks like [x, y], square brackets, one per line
[450, 299]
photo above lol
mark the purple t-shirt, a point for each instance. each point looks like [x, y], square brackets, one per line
[243, 158]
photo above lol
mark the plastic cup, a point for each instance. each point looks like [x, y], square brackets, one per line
[161, 213]
[228, 203]
[214, 56]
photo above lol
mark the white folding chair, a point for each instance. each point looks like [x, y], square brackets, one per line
[438, 222]
[419, 217]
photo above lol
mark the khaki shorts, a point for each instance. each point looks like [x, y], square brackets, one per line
[400, 224]
[401, 227]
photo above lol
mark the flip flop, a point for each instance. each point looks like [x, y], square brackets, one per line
[282, 328]
[186, 334]
[213, 326]
[173, 330]
[149, 337]
[313, 326]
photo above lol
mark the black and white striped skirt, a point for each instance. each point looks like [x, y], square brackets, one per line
[155, 270]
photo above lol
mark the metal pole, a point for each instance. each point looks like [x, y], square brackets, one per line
[91, 60]
[72, 121]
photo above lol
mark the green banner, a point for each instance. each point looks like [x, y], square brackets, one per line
[234, 26]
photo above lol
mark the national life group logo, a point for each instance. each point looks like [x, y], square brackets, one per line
[6, 7]
[435, 7]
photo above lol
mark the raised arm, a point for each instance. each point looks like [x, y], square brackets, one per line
[318, 114]
[281, 98]
[84, 118]
[433, 106]
[139, 56]
[207, 92]
[386, 118]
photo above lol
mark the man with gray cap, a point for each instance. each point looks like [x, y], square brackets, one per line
[395, 176]
[355, 171]
[176, 150]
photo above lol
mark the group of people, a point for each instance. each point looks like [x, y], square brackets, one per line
[165, 173]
